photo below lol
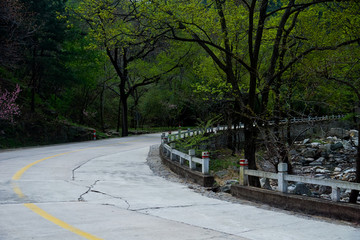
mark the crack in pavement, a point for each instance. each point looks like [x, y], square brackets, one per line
[106, 194]
[139, 211]
[81, 199]
[73, 171]
[178, 206]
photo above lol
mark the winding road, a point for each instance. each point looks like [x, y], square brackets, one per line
[105, 190]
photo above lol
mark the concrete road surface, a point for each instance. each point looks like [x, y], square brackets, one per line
[104, 190]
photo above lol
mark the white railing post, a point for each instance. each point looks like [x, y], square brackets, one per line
[205, 162]
[282, 184]
[172, 145]
[335, 194]
[162, 138]
[192, 164]
[243, 180]
[181, 160]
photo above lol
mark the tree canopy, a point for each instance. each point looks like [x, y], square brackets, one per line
[112, 63]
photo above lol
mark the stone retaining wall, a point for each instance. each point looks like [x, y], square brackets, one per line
[185, 172]
[297, 203]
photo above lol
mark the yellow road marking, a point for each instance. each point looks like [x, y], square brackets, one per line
[58, 222]
[41, 212]
[17, 190]
[19, 173]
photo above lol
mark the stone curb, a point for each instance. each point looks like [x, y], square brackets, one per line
[187, 173]
[302, 204]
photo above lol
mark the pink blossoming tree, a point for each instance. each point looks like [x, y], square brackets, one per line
[8, 108]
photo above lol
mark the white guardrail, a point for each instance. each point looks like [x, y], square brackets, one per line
[184, 158]
[187, 133]
[309, 119]
[281, 176]
[283, 179]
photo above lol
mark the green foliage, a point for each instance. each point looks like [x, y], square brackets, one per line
[224, 160]
[201, 141]
[66, 64]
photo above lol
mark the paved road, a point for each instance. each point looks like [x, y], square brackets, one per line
[105, 190]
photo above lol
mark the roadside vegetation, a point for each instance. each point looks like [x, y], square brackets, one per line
[115, 66]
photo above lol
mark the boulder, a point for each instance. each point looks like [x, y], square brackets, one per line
[222, 173]
[351, 170]
[265, 183]
[226, 188]
[325, 148]
[309, 153]
[354, 133]
[292, 152]
[347, 145]
[315, 144]
[336, 146]
[355, 141]
[338, 132]
[232, 181]
[320, 176]
[322, 170]
[324, 190]
[302, 189]
[318, 162]
[291, 188]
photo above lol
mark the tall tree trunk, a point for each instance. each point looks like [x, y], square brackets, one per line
[102, 105]
[33, 92]
[124, 108]
[250, 133]
[354, 193]
[118, 116]
[33, 81]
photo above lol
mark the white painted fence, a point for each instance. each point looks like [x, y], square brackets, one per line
[309, 119]
[283, 179]
[173, 154]
[187, 133]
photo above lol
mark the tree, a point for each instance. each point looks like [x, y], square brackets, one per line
[343, 70]
[250, 42]
[116, 27]
[15, 30]
[8, 108]
[45, 63]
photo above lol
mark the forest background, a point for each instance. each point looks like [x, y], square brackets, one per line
[115, 65]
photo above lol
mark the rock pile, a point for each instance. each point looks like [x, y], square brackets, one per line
[332, 157]
[327, 158]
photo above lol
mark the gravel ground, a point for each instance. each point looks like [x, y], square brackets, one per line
[154, 162]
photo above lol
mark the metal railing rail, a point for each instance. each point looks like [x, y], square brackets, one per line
[283, 179]
[192, 132]
[184, 158]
